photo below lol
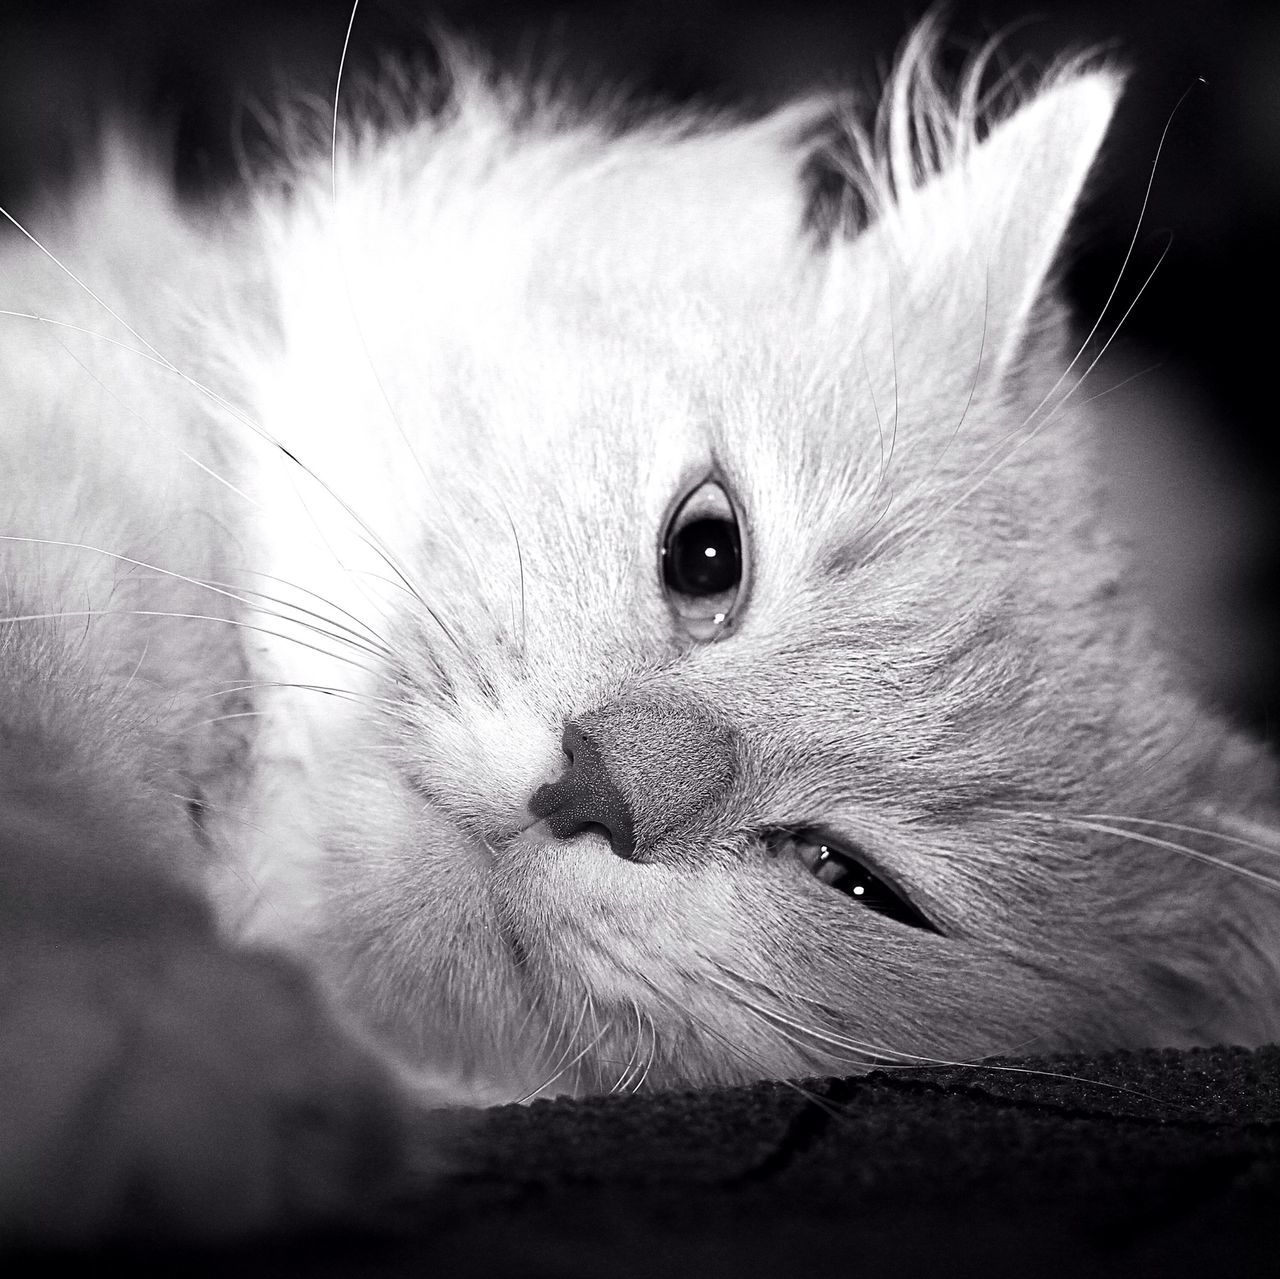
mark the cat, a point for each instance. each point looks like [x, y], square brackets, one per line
[518, 603]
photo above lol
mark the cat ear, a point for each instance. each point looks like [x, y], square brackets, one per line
[977, 237]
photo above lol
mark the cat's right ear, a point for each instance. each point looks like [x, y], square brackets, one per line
[968, 217]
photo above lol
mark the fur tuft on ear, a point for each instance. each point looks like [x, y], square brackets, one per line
[968, 202]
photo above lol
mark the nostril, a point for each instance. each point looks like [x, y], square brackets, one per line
[572, 741]
[585, 797]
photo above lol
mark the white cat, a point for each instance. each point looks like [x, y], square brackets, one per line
[606, 636]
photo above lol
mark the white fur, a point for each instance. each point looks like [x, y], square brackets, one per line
[463, 373]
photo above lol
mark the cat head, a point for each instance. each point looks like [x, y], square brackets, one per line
[745, 682]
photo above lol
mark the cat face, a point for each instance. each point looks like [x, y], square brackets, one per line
[740, 649]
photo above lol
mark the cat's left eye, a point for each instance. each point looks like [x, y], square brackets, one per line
[702, 560]
[845, 869]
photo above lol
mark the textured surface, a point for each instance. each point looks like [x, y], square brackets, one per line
[1127, 1164]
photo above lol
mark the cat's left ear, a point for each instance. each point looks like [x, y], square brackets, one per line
[982, 234]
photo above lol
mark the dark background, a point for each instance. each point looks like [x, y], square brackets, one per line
[1204, 482]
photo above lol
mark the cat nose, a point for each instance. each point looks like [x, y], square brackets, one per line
[648, 770]
[585, 797]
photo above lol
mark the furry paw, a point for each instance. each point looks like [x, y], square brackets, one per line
[171, 1088]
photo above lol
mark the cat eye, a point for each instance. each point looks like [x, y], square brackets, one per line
[702, 560]
[844, 869]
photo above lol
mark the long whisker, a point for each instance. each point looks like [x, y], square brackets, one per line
[875, 1054]
[376, 546]
[222, 589]
[220, 719]
[221, 479]
[337, 94]
[189, 617]
[632, 1061]
[562, 1066]
[985, 472]
[315, 595]
[1124, 265]
[346, 280]
[951, 439]
[340, 631]
[913, 1061]
[106, 390]
[755, 1067]
[1106, 828]
[325, 689]
[152, 354]
[1271, 850]
[652, 1055]
[558, 1066]
[352, 310]
[195, 461]
[875, 408]
[520, 565]
[827, 1053]
[1060, 407]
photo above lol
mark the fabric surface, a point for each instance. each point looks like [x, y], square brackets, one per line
[1128, 1164]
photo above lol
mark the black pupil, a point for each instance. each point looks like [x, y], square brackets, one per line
[873, 893]
[703, 558]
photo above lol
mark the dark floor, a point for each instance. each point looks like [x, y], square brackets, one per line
[1160, 1164]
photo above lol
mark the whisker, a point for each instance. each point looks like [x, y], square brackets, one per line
[315, 595]
[632, 1061]
[326, 689]
[652, 1055]
[189, 617]
[951, 439]
[353, 312]
[1105, 828]
[561, 1065]
[1060, 406]
[191, 458]
[914, 1061]
[153, 355]
[219, 811]
[142, 657]
[875, 408]
[754, 1066]
[1124, 381]
[220, 719]
[984, 471]
[133, 413]
[217, 588]
[1124, 265]
[876, 1054]
[520, 565]
[1271, 850]
[337, 94]
[368, 642]
[561, 1070]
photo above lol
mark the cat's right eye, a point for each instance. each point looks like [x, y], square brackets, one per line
[702, 561]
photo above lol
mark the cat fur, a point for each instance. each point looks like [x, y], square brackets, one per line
[326, 509]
